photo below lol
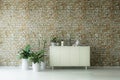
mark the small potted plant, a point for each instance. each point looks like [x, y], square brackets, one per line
[24, 54]
[55, 41]
[36, 58]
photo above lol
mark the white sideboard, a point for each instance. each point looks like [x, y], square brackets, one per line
[69, 56]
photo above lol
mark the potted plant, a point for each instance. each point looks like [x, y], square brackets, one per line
[36, 58]
[55, 41]
[24, 54]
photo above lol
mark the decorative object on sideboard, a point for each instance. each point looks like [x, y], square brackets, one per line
[77, 42]
[62, 42]
[68, 40]
[55, 41]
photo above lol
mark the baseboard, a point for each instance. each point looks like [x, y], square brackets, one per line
[103, 67]
[89, 67]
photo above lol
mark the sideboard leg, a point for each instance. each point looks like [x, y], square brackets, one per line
[85, 67]
[52, 67]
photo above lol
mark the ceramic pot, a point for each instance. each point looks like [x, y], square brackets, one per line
[36, 67]
[53, 44]
[42, 65]
[25, 64]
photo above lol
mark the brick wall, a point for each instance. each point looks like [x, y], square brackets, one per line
[94, 22]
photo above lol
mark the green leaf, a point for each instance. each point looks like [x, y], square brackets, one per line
[27, 48]
[25, 53]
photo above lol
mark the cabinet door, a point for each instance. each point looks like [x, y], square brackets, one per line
[84, 56]
[65, 56]
[55, 56]
[75, 55]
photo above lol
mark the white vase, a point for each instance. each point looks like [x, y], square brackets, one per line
[25, 64]
[36, 67]
[62, 43]
[42, 65]
[77, 42]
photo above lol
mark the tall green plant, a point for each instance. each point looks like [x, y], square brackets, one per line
[25, 53]
[36, 57]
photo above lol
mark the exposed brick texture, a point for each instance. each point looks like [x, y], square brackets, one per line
[94, 22]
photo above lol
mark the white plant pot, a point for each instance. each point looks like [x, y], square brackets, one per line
[36, 67]
[42, 66]
[57, 44]
[25, 64]
[52, 44]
